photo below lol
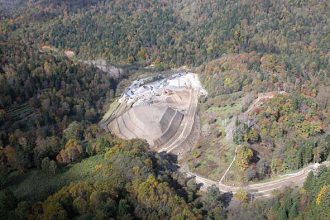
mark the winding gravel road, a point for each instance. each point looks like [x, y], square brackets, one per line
[265, 189]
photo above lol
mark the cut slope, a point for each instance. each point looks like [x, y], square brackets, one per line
[152, 123]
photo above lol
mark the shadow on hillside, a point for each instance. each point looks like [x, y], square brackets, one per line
[183, 184]
[168, 161]
[226, 198]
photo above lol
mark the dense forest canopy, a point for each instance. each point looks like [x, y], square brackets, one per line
[51, 103]
[181, 32]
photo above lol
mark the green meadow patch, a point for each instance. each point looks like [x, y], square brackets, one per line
[37, 185]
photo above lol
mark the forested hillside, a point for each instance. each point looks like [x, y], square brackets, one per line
[43, 96]
[128, 183]
[310, 202]
[182, 32]
[57, 163]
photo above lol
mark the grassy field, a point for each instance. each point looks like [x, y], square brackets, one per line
[227, 110]
[37, 185]
[214, 154]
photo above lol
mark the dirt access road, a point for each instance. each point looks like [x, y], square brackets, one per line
[263, 190]
[186, 125]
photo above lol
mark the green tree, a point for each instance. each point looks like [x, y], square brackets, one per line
[73, 131]
[8, 203]
[45, 165]
[52, 167]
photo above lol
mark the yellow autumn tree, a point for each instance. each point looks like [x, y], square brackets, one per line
[71, 152]
[320, 196]
[244, 155]
[242, 195]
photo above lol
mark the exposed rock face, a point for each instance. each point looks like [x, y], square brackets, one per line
[106, 67]
[156, 124]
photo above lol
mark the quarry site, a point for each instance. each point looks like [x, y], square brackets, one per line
[160, 110]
